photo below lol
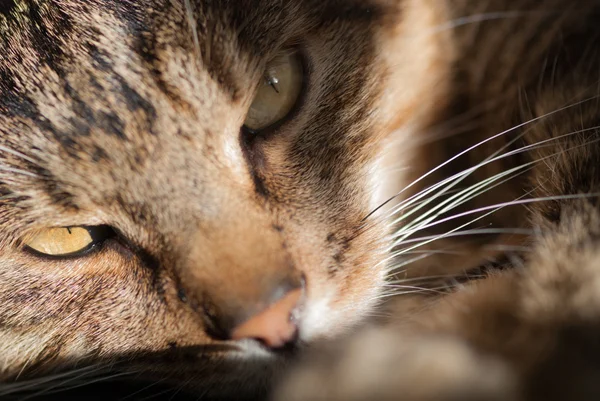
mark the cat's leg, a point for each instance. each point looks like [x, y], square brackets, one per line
[383, 364]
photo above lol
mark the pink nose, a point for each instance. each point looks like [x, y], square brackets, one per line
[274, 326]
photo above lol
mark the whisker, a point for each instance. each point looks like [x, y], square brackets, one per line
[17, 154]
[192, 23]
[74, 374]
[445, 163]
[514, 203]
[456, 200]
[435, 252]
[536, 145]
[428, 278]
[406, 290]
[444, 235]
[478, 18]
[143, 389]
[430, 222]
[18, 171]
[61, 387]
[508, 248]
[456, 178]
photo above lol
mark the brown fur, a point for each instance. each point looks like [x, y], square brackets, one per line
[122, 113]
[116, 113]
[526, 326]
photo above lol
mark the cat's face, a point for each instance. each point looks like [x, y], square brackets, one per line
[132, 117]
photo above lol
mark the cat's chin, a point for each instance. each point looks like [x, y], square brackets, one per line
[247, 372]
[244, 370]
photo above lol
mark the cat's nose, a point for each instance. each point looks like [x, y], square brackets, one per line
[268, 311]
[243, 289]
[274, 326]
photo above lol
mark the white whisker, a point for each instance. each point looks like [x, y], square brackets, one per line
[448, 161]
[17, 154]
[192, 23]
[514, 203]
[477, 18]
[17, 171]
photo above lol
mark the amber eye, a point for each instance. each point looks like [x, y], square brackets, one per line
[67, 241]
[277, 93]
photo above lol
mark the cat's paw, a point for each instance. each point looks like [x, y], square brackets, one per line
[381, 364]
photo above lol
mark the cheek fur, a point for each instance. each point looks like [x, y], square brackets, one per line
[137, 125]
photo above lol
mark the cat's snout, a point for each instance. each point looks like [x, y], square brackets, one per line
[270, 315]
[276, 325]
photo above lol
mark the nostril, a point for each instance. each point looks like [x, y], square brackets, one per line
[214, 323]
[271, 316]
[276, 326]
[181, 295]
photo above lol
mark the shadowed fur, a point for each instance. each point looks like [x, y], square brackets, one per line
[129, 114]
[524, 326]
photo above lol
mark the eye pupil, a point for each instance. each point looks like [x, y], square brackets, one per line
[272, 81]
[274, 87]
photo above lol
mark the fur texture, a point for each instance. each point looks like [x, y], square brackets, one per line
[128, 114]
[525, 325]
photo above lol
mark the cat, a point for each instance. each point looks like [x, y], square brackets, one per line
[186, 185]
[524, 325]
[193, 191]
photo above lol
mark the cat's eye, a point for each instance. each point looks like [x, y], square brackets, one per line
[277, 93]
[67, 241]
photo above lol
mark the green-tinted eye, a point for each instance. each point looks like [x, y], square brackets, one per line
[278, 92]
[63, 241]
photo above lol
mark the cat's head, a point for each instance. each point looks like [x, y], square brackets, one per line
[175, 174]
